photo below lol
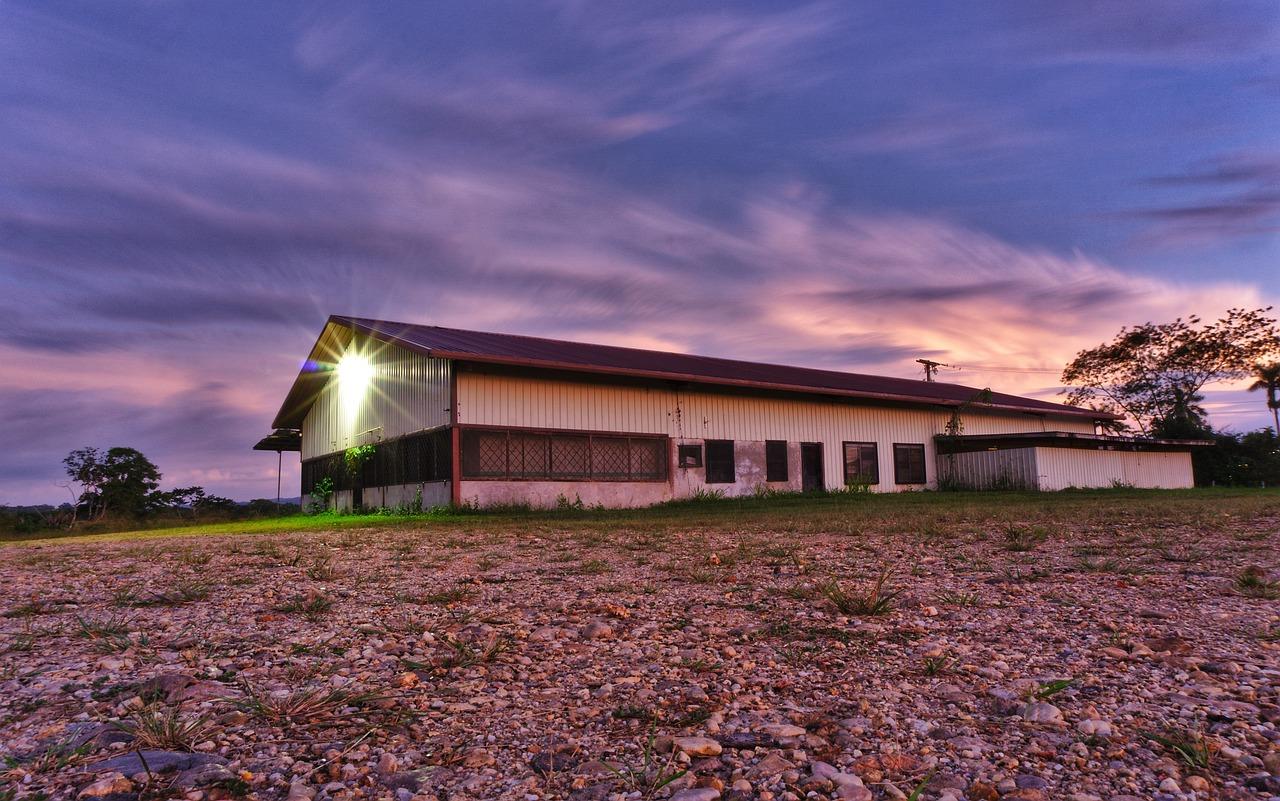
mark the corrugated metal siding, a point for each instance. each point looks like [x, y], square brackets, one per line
[408, 392]
[1060, 468]
[493, 399]
[1007, 469]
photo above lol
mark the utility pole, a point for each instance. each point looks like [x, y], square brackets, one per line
[930, 368]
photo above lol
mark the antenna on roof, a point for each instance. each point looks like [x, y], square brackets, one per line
[930, 368]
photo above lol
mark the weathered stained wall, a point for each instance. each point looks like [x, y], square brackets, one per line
[984, 470]
[1060, 468]
[750, 472]
[408, 392]
[492, 398]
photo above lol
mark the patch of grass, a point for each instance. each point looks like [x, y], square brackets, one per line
[1020, 538]
[959, 598]
[1252, 582]
[875, 600]
[165, 728]
[1190, 747]
[112, 630]
[453, 595]
[180, 592]
[593, 567]
[39, 606]
[1099, 566]
[1051, 688]
[464, 654]
[647, 778]
[312, 605]
[935, 665]
[302, 705]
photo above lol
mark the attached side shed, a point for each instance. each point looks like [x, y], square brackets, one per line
[1057, 460]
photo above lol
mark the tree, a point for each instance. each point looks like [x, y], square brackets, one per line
[1155, 372]
[1268, 380]
[121, 480]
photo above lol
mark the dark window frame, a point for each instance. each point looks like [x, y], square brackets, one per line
[689, 455]
[777, 460]
[909, 448]
[872, 477]
[720, 464]
[418, 458]
[563, 461]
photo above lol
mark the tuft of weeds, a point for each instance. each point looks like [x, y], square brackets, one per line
[462, 654]
[111, 632]
[875, 600]
[312, 605]
[1252, 582]
[1099, 566]
[39, 606]
[321, 568]
[301, 705]
[936, 665]
[1023, 538]
[453, 595]
[959, 598]
[1051, 688]
[651, 775]
[181, 592]
[1191, 747]
[593, 567]
[165, 728]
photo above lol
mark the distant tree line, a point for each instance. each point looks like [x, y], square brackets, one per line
[120, 488]
[1155, 374]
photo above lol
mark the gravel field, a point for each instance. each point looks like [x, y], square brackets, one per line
[1104, 648]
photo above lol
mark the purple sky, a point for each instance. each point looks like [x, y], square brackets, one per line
[187, 190]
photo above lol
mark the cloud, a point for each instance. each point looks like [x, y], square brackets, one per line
[950, 132]
[1149, 32]
[1243, 201]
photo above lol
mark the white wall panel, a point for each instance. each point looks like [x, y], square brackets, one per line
[1060, 468]
[408, 392]
[494, 399]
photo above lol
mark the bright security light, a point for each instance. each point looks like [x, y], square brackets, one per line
[354, 375]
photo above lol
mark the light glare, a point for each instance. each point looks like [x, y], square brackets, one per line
[354, 375]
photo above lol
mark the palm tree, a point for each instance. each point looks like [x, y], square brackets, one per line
[1269, 382]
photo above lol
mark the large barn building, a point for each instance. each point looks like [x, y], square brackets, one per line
[467, 417]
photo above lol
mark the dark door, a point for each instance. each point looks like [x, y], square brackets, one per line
[811, 466]
[357, 499]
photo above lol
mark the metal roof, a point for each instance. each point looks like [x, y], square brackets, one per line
[1062, 439]
[282, 439]
[555, 354]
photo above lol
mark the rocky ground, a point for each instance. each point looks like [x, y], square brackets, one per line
[1081, 660]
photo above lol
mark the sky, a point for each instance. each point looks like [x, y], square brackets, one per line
[188, 190]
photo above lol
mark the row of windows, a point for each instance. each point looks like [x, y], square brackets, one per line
[532, 455]
[862, 463]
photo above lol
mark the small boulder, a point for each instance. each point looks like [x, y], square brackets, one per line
[114, 782]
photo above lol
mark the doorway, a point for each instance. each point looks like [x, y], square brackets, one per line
[811, 479]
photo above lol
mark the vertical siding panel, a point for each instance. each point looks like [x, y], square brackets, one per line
[408, 392]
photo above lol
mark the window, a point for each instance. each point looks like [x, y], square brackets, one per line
[908, 464]
[690, 456]
[543, 455]
[720, 466]
[861, 464]
[775, 460]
